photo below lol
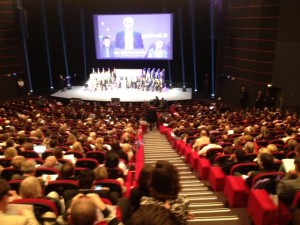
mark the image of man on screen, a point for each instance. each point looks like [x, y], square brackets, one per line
[128, 38]
[106, 49]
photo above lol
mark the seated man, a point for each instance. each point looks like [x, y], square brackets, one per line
[85, 210]
[24, 217]
[290, 184]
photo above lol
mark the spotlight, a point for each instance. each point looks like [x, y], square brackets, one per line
[269, 85]
[232, 78]
[228, 76]
[212, 95]
[195, 90]
[51, 88]
[31, 91]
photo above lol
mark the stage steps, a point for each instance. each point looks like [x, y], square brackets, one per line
[207, 207]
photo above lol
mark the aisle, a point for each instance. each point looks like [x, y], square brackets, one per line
[205, 205]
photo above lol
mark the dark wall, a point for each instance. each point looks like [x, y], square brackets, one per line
[74, 11]
[286, 68]
[247, 49]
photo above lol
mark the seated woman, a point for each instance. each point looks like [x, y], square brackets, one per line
[164, 191]
[143, 186]
[31, 188]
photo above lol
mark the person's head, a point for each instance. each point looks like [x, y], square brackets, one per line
[266, 161]
[67, 169]
[106, 41]
[165, 181]
[272, 147]
[86, 179]
[100, 173]
[58, 153]
[212, 139]
[128, 23]
[50, 161]
[159, 44]
[240, 154]
[17, 161]
[77, 147]
[145, 176]
[292, 144]
[152, 214]
[112, 160]
[249, 147]
[29, 167]
[4, 191]
[52, 143]
[10, 152]
[31, 188]
[83, 212]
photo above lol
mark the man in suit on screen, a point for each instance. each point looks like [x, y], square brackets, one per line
[129, 39]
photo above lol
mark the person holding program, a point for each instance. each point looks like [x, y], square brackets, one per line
[128, 38]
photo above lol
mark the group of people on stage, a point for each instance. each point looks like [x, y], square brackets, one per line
[149, 80]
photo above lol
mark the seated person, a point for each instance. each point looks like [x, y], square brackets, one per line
[266, 164]
[239, 156]
[86, 182]
[85, 209]
[158, 50]
[24, 217]
[28, 168]
[143, 186]
[67, 172]
[290, 184]
[51, 162]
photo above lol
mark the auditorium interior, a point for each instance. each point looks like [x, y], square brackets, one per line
[233, 60]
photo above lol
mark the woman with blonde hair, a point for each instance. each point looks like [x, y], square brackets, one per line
[77, 147]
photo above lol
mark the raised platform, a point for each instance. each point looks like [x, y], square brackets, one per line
[129, 95]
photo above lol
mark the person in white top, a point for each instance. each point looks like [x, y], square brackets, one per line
[212, 144]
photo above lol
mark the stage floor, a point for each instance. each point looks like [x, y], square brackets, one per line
[130, 95]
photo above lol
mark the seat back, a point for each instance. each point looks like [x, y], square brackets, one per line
[15, 185]
[114, 173]
[112, 184]
[60, 186]
[40, 206]
[99, 156]
[87, 163]
[5, 162]
[250, 156]
[29, 154]
[46, 154]
[45, 170]
[244, 168]
[220, 159]
[76, 154]
[8, 172]
[212, 153]
[267, 181]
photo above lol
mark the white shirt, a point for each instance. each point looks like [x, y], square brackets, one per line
[128, 40]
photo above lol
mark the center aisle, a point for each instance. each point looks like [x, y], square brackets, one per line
[205, 205]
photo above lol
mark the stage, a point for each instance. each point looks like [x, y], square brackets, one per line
[129, 95]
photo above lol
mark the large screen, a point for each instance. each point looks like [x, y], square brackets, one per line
[135, 36]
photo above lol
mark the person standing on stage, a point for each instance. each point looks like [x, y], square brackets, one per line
[61, 83]
[21, 87]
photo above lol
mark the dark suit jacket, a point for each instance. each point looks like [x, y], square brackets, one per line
[137, 40]
[103, 52]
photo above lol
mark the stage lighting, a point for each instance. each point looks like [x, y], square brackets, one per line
[51, 88]
[195, 90]
[269, 85]
[213, 95]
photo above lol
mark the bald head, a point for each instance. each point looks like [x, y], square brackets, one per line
[83, 212]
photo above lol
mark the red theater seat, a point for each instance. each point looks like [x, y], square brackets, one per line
[261, 208]
[203, 168]
[216, 178]
[236, 191]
